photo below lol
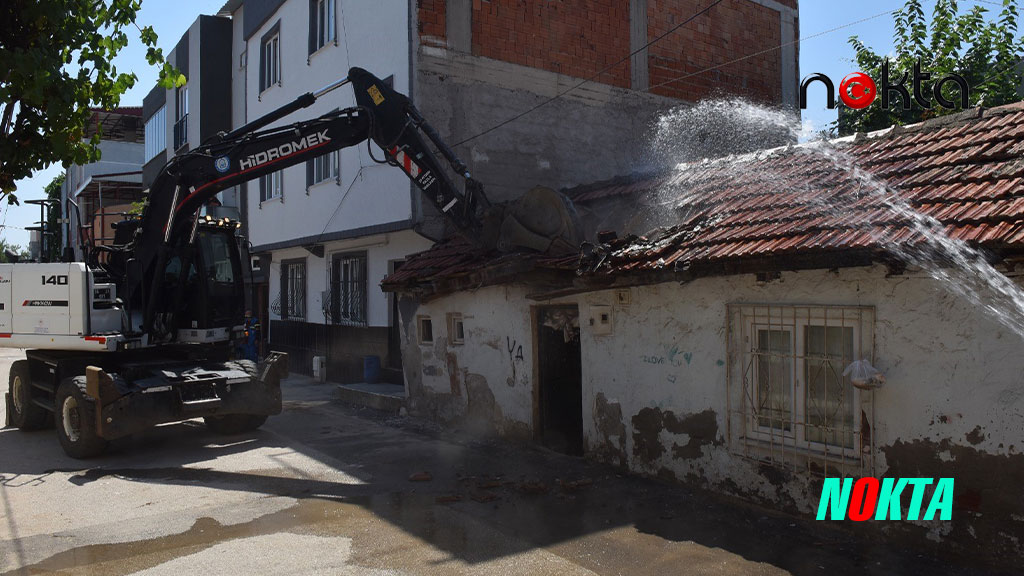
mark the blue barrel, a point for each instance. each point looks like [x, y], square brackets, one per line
[371, 369]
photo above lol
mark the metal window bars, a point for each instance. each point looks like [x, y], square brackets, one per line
[789, 404]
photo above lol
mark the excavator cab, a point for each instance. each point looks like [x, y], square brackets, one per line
[204, 286]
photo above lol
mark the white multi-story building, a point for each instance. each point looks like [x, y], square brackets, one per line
[327, 232]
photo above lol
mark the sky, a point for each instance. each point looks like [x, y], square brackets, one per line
[829, 53]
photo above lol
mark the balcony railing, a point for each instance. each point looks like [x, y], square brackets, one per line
[181, 132]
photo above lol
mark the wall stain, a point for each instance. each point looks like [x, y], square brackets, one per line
[988, 500]
[453, 374]
[701, 428]
[611, 446]
[976, 436]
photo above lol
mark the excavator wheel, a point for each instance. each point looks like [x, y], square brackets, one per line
[25, 414]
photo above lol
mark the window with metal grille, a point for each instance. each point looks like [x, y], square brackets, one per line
[271, 186]
[348, 289]
[321, 24]
[795, 406]
[293, 289]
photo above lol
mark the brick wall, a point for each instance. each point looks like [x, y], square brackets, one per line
[581, 37]
[731, 30]
[430, 21]
[577, 38]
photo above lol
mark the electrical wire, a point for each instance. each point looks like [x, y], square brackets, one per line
[696, 15]
[774, 48]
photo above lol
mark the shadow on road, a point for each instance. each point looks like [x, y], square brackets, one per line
[535, 498]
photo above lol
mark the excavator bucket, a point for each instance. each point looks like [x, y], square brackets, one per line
[541, 220]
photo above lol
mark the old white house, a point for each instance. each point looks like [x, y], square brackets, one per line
[715, 350]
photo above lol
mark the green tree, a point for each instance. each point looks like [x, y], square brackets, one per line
[56, 63]
[5, 246]
[985, 52]
[55, 232]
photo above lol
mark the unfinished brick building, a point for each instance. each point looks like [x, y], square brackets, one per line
[479, 63]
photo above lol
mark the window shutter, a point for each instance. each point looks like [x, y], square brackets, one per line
[334, 21]
[312, 26]
[309, 174]
[263, 67]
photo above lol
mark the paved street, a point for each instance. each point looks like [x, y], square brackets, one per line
[327, 489]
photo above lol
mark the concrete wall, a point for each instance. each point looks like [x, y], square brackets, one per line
[656, 396]
[593, 133]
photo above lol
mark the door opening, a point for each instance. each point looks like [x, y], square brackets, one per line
[560, 379]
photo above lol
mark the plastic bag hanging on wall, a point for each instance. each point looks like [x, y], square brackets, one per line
[863, 375]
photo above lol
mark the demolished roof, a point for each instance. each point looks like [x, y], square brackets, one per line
[799, 207]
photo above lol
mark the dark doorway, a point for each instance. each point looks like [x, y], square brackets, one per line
[560, 379]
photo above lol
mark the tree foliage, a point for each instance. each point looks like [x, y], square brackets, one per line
[55, 233]
[56, 63]
[984, 51]
[5, 246]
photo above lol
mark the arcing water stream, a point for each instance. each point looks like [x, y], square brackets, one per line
[692, 138]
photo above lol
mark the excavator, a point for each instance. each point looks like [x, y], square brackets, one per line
[143, 331]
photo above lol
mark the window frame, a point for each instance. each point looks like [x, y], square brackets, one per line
[314, 169]
[269, 183]
[323, 25]
[287, 312]
[422, 321]
[455, 322]
[180, 117]
[271, 69]
[156, 133]
[336, 289]
[798, 385]
[796, 448]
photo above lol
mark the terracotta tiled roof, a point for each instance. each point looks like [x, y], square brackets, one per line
[967, 172]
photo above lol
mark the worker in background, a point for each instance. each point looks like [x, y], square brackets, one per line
[250, 347]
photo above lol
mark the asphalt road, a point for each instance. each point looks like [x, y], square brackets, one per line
[329, 489]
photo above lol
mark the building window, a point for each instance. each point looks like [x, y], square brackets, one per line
[180, 117]
[321, 24]
[456, 330]
[425, 329]
[271, 186]
[793, 395]
[270, 58]
[323, 168]
[156, 133]
[348, 289]
[293, 290]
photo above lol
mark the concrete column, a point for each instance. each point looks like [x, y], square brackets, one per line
[790, 65]
[458, 19]
[638, 71]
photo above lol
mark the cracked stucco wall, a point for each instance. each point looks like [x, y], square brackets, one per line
[655, 390]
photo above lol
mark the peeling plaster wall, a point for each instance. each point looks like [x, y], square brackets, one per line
[484, 385]
[655, 389]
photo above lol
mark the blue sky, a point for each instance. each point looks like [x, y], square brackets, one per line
[829, 54]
